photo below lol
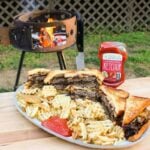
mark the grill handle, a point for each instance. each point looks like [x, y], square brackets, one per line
[80, 32]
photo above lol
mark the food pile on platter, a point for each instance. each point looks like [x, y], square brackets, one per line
[76, 104]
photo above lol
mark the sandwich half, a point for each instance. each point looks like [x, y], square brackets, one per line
[114, 101]
[74, 81]
[36, 77]
[136, 117]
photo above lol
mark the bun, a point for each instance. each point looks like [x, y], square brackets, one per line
[140, 133]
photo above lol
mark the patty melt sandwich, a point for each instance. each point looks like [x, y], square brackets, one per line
[136, 117]
[36, 77]
[113, 101]
[79, 84]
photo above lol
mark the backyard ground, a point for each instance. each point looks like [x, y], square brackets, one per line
[137, 65]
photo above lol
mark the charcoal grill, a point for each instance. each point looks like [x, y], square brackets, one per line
[45, 32]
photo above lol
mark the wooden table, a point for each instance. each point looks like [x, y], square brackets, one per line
[17, 133]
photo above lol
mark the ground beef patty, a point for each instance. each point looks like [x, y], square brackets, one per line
[83, 93]
[109, 108]
[82, 83]
[134, 127]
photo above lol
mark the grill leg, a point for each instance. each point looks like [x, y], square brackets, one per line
[61, 60]
[19, 70]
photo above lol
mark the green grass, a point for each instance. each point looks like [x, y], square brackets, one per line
[138, 47]
[5, 90]
[137, 65]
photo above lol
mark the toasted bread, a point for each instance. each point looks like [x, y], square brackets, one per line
[139, 134]
[116, 97]
[38, 71]
[82, 73]
[134, 106]
[54, 73]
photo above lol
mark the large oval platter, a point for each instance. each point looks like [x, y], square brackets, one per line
[36, 122]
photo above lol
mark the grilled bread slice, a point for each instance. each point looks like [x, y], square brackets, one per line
[134, 106]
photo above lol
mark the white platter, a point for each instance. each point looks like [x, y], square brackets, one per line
[36, 122]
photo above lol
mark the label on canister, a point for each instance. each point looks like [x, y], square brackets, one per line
[111, 66]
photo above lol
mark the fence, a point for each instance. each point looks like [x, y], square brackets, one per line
[115, 15]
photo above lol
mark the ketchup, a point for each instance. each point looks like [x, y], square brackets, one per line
[112, 57]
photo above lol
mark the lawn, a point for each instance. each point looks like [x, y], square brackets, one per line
[137, 65]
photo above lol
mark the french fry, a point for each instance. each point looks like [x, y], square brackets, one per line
[32, 110]
[43, 115]
[30, 91]
[33, 99]
[48, 91]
